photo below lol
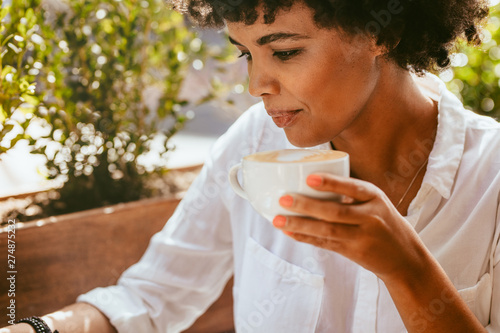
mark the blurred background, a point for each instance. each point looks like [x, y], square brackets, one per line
[103, 101]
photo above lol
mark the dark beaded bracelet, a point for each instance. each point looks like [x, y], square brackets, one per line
[38, 324]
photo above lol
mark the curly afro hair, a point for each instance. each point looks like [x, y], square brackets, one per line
[418, 34]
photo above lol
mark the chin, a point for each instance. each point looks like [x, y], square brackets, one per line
[303, 142]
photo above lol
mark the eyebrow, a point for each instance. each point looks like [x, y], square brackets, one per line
[275, 37]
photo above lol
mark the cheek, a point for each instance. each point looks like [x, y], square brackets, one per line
[342, 83]
[326, 86]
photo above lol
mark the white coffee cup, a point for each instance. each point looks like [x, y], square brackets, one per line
[269, 175]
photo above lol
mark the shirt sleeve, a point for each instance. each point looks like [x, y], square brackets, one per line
[188, 263]
[494, 326]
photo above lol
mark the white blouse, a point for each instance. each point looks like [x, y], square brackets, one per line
[281, 285]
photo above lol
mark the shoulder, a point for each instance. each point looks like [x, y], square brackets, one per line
[480, 160]
[475, 121]
[465, 152]
[482, 135]
[477, 136]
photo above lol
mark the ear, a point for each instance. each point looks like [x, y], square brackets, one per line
[357, 41]
[363, 40]
[378, 47]
[380, 50]
[392, 37]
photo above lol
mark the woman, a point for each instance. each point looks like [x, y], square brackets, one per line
[414, 247]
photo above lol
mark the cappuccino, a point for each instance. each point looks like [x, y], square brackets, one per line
[295, 156]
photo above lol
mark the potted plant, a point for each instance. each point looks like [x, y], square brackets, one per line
[18, 99]
[108, 81]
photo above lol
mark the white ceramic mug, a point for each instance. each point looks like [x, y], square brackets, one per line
[269, 175]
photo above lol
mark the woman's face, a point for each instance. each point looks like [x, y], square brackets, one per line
[315, 83]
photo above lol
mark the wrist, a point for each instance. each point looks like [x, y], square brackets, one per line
[37, 324]
[19, 328]
[414, 268]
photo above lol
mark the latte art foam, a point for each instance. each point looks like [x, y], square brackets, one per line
[295, 156]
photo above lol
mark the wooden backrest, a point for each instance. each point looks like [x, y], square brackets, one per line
[59, 258]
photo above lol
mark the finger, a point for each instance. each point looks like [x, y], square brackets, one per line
[357, 189]
[324, 243]
[316, 228]
[326, 210]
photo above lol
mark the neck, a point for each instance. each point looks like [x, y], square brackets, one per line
[393, 135]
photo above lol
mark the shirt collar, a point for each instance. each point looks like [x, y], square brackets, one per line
[448, 148]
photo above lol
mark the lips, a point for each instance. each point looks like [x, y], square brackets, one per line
[284, 118]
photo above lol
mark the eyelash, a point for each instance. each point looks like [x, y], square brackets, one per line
[246, 55]
[281, 55]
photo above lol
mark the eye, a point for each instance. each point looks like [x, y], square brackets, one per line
[246, 55]
[286, 55]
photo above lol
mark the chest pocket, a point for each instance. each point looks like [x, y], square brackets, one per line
[275, 295]
[478, 298]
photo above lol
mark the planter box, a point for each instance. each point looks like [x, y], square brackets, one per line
[58, 258]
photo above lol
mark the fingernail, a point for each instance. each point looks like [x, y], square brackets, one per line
[346, 200]
[314, 180]
[279, 221]
[288, 233]
[286, 201]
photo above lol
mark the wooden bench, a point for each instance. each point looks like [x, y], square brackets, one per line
[59, 258]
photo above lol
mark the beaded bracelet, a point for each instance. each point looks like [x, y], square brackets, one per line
[38, 324]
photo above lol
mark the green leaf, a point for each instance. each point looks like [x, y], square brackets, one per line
[107, 26]
[26, 110]
[30, 17]
[3, 12]
[8, 128]
[18, 138]
[30, 99]
[6, 70]
[3, 114]
[22, 29]
[24, 85]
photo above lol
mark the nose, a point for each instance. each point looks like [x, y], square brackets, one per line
[262, 81]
